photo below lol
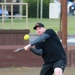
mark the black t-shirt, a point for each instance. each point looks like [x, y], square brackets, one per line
[52, 48]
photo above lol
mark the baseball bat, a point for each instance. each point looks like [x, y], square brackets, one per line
[18, 49]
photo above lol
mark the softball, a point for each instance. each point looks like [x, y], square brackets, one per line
[26, 37]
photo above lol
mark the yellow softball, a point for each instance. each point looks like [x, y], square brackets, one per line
[26, 37]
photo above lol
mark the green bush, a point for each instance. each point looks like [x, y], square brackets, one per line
[32, 8]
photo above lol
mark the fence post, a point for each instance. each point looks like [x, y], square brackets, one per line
[64, 22]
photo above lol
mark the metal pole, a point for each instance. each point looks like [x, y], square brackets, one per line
[11, 16]
[41, 10]
[21, 8]
[5, 4]
[37, 9]
[2, 16]
[27, 16]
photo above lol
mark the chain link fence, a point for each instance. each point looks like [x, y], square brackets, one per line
[71, 16]
[39, 11]
[46, 11]
[12, 16]
[49, 13]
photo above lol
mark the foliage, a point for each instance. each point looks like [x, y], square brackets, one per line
[32, 8]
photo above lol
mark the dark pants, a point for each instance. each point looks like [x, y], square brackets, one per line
[48, 69]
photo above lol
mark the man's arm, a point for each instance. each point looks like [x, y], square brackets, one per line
[37, 40]
[36, 51]
[40, 39]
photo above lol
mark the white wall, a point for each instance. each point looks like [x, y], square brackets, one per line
[54, 10]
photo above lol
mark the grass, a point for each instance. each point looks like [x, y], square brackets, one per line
[49, 23]
[71, 25]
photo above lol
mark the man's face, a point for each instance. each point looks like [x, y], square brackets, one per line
[40, 30]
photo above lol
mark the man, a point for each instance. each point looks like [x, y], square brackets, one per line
[50, 48]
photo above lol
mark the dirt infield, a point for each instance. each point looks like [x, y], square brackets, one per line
[30, 71]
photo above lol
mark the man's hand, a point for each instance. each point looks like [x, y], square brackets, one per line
[27, 47]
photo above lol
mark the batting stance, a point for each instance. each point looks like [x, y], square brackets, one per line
[48, 46]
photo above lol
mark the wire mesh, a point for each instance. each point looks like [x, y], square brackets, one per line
[44, 12]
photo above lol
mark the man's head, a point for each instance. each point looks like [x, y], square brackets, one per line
[39, 27]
